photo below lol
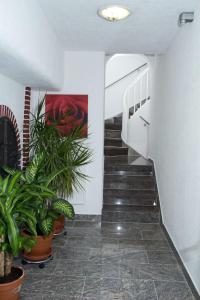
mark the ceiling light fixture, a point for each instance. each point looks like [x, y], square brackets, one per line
[114, 13]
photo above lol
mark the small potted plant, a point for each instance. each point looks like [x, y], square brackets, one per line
[46, 213]
[15, 209]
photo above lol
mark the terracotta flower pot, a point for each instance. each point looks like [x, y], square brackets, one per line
[42, 249]
[59, 225]
[11, 290]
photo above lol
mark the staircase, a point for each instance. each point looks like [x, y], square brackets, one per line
[129, 183]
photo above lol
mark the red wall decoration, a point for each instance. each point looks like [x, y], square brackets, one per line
[69, 112]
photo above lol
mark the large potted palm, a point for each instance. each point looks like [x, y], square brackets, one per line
[69, 153]
[15, 210]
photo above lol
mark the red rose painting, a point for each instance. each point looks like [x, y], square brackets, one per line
[69, 111]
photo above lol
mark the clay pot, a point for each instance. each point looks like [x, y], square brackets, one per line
[11, 290]
[42, 249]
[59, 225]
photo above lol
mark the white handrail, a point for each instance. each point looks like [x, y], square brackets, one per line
[133, 97]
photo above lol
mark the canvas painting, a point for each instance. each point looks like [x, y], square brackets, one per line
[69, 112]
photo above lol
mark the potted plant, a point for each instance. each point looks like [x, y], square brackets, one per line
[46, 207]
[15, 210]
[46, 213]
[66, 152]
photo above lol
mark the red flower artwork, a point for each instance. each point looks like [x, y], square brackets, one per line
[68, 111]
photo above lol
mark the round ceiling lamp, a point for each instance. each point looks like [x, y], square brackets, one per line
[114, 13]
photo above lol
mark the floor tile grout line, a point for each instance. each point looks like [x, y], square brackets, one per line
[155, 289]
[82, 293]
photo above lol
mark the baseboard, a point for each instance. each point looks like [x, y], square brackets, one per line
[185, 272]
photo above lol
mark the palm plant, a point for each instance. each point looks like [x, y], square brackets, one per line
[45, 204]
[61, 152]
[15, 210]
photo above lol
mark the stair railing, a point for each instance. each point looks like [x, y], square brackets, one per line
[135, 96]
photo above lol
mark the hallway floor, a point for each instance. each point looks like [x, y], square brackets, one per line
[118, 262]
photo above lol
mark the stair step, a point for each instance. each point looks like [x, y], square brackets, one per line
[117, 201]
[151, 215]
[127, 227]
[113, 133]
[128, 170]
[113, 126]
[129, 182]
[113, 142]
[113, 151]
[126, 160]
[118, 120]
[130, 194]
[129, 208]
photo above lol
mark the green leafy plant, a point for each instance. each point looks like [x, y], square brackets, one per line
[45, 204]
[15, 210]
[61, 152]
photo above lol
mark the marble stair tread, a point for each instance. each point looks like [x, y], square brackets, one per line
[129, 226]
[110, 200]
[113, 142]
[129, 197]
[113, 150]
[137, 194]
[129, 186]
[129, 182]
[118, 119]
[141, 216]
[130, 208]
[126, 160]
[113, 126]
[128, 170]
[112, 133]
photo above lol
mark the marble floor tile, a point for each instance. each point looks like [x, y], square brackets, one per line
[173, 291]
[72, 253]
[61, 297]
[143, 244]
[92, 288]
[84, 242]
[83, 232]
[87, 224]
[153, 235]
[138, 290]
[161, 257]
[156, 245]
[129, 270]
[111, 268]
[135, 257]
[94, 264]
[161, 272]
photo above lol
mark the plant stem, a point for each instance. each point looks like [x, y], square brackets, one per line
[1, 260]
[8, 263]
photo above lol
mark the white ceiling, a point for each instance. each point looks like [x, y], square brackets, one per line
[149, 29]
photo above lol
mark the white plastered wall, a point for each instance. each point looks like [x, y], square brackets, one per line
[175, 142]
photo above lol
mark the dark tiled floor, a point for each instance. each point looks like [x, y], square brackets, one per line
[121, 262]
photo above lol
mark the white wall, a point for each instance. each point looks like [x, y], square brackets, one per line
[118, 66]
[29, 50]
[12, 95]
[175, 143]
[84, 74]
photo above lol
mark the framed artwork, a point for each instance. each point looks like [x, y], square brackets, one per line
[68, 111]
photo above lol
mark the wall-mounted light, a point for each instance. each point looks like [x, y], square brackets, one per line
[114, 13]
[185, 17]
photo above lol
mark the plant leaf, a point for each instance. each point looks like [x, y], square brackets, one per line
[64, 207]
